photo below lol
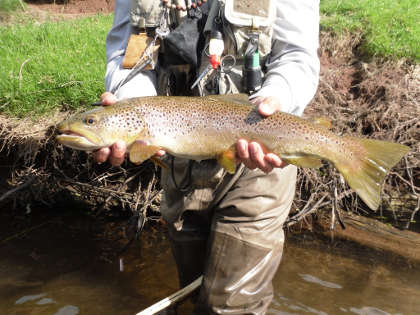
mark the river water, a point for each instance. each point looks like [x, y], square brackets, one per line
[69, 265]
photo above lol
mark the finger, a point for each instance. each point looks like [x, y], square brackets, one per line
[274, 160]
[242, 149]
[118, 153]
[267, 169]
[243, 154]
[107, 98]
[257, 156]
[249, 164]
[160, 153]
[101, 155]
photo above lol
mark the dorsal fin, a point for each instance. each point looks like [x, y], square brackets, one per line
[233, 98]
[321, 121]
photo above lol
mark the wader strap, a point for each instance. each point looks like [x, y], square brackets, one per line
[187, 186]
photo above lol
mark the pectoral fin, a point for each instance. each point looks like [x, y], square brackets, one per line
[310, 161]
[141, 151]
[158, 162]
[227, 159]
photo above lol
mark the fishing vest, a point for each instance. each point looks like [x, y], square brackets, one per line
[236, 18]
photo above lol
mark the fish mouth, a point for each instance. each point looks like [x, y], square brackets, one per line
[76, 140]
[71, 133]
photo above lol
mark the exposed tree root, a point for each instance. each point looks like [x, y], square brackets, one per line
[377, 100]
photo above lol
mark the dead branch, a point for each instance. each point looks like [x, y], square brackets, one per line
[16, 189]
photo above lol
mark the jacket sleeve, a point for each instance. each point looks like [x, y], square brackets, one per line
[144, 83]
[293, 66]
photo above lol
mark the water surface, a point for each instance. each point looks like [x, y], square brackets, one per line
[69, 266]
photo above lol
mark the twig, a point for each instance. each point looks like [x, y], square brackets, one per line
[103, 206]
[4, 105]
[14, 190]
[97, 188]
[336, 210]
[24, 232]
[413, 214]
[333, 209]
[20, 72]
[406, 181]
[305, 212]
[22, 5]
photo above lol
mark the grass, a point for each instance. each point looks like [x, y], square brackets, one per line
[7, 6]
[52, 65]
[62, 64]
[390, 28]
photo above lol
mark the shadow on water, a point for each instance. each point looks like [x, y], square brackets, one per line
[68, 264]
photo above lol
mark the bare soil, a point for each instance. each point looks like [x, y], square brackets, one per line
[81, 7]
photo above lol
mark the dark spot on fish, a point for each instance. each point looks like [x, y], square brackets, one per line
[253, 117]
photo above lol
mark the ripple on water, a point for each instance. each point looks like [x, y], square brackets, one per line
[27, 298]
[45, 301]
[368, 310]
[295, 306]
[68, 310]
[310, 278]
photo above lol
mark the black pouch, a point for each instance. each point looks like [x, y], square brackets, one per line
[184, 44]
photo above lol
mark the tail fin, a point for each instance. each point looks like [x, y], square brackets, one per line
[366, 172]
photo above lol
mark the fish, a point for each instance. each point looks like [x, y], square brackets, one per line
[208, 127]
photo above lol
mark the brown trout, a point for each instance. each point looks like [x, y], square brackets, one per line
[208, 127]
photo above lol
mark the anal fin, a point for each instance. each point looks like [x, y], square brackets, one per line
[310, 161]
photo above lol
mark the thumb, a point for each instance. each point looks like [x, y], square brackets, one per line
[108, 98]
[266, 108]
[269, 105]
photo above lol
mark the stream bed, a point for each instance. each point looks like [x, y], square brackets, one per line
[70, 264]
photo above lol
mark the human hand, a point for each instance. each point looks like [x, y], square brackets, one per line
[115, 153]
[252, 154]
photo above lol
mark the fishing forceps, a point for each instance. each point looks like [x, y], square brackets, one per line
[138, 67]
[147, 57]
[226, 65]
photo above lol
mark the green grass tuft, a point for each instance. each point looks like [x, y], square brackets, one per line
[52, 65]
[8, 6]
[390, 28]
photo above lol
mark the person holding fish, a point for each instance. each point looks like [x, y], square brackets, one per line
[226, 191]
[226, 226]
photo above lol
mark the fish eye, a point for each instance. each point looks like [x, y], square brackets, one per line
[90, 120]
